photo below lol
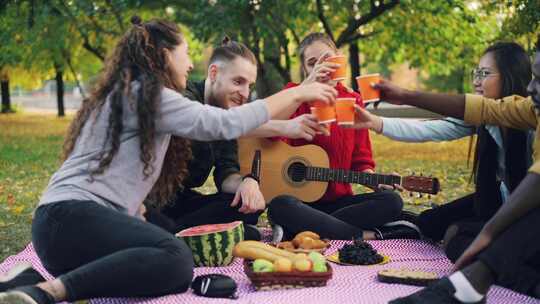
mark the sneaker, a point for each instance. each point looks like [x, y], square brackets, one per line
[20, 275]
[409, 217]
[277, 233]
[440, 292]
[252, 233]
[26, 295]
[398, 230]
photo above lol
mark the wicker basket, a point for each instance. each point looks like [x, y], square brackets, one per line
[285, 280]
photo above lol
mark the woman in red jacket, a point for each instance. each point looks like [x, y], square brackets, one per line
[339, 214]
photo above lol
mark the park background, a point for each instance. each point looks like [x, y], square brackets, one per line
[51, 52]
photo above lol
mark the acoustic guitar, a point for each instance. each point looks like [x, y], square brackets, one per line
[304, 172]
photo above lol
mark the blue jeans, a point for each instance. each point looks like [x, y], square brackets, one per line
[99, 252]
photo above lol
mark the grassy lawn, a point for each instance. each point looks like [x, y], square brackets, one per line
[30, 146]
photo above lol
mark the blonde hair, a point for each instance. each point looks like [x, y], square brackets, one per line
[309, 40]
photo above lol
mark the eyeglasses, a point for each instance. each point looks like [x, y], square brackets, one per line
[481, 74]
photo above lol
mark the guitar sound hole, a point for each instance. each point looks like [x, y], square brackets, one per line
[297, 172]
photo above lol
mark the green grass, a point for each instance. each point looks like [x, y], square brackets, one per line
[29, 154]
[446, 160]
[30, 146]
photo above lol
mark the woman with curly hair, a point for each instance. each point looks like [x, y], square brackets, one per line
[88, 230]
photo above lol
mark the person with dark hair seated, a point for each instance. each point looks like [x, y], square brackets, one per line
[502, 154]
[506, 251]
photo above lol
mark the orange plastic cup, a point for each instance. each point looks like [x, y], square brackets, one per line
[341, 72]
[325, 113]
[369, 94]
[345, 111]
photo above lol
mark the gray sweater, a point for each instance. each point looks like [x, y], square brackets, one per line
[123, 186]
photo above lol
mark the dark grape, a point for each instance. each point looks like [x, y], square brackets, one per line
[359, 253]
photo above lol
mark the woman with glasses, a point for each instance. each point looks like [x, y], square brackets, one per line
[502, 155]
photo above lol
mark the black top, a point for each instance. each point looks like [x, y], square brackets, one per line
[221, 154]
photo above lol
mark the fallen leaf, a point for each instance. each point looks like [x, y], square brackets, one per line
[10, 199]
[17, 210]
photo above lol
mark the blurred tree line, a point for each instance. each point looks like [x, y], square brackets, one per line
[68, 40]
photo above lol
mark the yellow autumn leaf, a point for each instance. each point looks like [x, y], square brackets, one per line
[17, 209]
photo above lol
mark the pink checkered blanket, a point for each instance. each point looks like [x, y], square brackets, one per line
[350, 284]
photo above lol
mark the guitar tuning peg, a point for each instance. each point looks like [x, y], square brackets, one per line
[411, 194]
[419, 195]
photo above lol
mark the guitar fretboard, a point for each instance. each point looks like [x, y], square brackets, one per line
[348, 176]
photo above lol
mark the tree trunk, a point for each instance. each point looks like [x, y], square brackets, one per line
[67, 57]
[461, 81]
[6, 99]
[354, 62]
[60, 91]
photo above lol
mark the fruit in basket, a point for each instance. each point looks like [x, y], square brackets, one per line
[299, 256]
[303, 264]
[286, 245]
[212, 245]
[316, 257]
[283, 265]
[319, 267]
[319, 262]
[262, 265]
[253, 250]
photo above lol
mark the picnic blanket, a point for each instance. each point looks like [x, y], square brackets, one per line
[350, 284]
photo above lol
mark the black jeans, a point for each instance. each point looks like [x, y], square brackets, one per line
[469, 214]
[342, 219]
[514, 256]
[434, 222]
[99, 252]
[192, 209]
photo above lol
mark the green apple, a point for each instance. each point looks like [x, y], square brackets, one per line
[319, 266]
[316, 257]
[262, 265]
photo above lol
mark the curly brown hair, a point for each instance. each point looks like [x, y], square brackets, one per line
[139, 55]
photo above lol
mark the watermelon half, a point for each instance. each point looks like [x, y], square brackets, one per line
[212, 245]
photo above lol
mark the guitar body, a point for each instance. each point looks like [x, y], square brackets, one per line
[277, 158]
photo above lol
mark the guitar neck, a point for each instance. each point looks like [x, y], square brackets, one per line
[352, 177]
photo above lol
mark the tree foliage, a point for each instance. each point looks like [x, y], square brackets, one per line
[443, 39]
